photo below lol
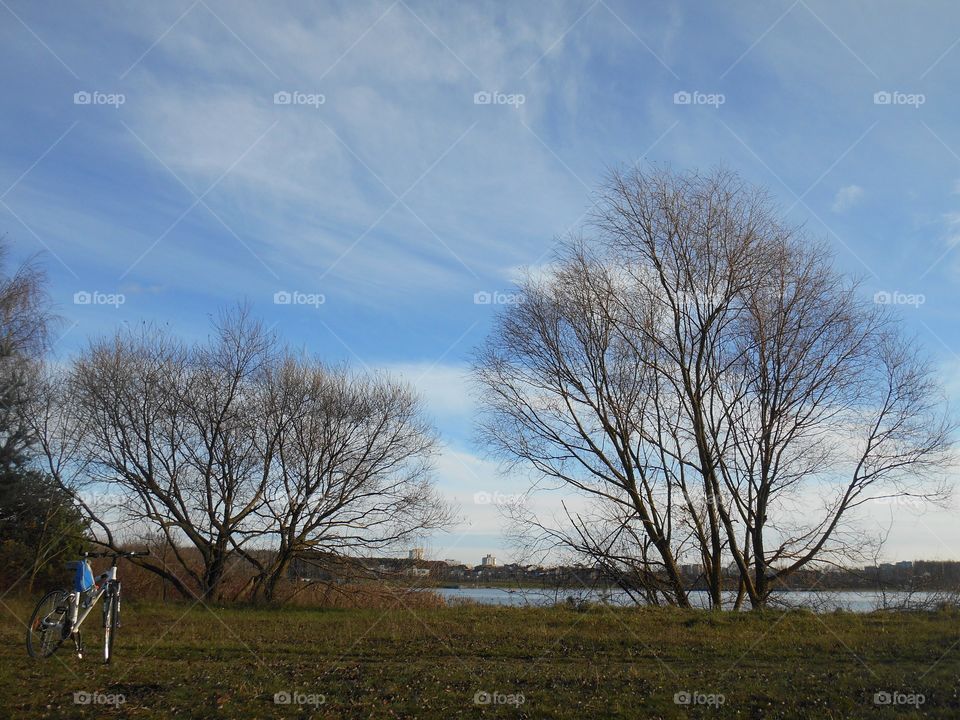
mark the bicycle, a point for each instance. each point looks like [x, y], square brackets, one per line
[59, 614]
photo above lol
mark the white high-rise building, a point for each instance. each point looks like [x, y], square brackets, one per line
[416, 554]
[489, 561]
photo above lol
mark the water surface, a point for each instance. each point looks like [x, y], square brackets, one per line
[821, 601]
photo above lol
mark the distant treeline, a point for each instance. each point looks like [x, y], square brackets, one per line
[910, 575]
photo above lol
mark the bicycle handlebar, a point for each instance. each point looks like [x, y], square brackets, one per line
[115, 554]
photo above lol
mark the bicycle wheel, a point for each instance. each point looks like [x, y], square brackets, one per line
[45, 633]
[111, 620]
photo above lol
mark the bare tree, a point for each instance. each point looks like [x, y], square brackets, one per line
[25, 322]
[350, 470]
[37, 523]
[173, 428]
[698, 365]
[566, 394]
[236, 453]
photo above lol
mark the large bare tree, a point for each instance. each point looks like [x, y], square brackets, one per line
[235, 453]
[697, 367]
[172, 427]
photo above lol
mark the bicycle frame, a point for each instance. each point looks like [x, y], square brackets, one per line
[108, 579]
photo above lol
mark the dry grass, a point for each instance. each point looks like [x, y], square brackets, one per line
[182, 660]
[359, 596]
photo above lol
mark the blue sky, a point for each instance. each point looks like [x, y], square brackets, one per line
[385, 188]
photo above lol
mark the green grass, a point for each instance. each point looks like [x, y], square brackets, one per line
[182, 661]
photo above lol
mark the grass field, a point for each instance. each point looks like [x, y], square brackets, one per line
[199, 662]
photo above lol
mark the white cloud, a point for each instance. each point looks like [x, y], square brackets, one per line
[444, 388]
[538, 273]
[461, 477]
[952, 222]
[322, 177]
[847, 197]
[482, 491]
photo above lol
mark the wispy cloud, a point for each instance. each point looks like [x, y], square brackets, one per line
[847, 197]
[486, 187]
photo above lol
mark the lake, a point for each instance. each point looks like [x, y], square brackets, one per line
[822, 601]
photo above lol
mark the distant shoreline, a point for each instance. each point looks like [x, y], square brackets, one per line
[615, 588]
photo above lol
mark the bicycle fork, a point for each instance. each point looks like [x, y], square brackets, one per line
[111, 616]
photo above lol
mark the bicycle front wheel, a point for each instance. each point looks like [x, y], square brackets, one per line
[48, 624]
